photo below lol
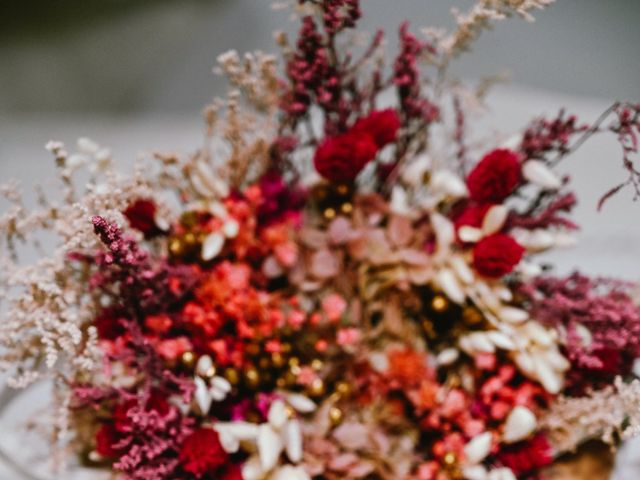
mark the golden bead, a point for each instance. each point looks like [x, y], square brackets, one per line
[188, 359]
[290, 378]
[281, 382]
[277, 359]
[317, 364]
[343, 189]
[286, 348]
[252, 377]
[329, 213]
[346, 207]
[294, 361]
[316, 388]
[439, 304]
[343, 389]
[190, 239]
[175, 247]
[232, 376]
[472, 316]
[450, 459]
[336, 415]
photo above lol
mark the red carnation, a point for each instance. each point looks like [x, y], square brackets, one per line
[106, 438]
[495, 176]
[527, 457]
[382, 125]
[142, 216]
[496, 255]
[341, 158]
[202, 453]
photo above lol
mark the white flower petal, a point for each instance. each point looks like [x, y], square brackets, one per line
[270, 446]
[204, 365]
[478, 448]
[501, 474]
[449, 184]
[231, 229]
[252, 469]
[278, 415]
[212, 246]
[449, 284]
[501, 340]
[520, 423]
[293, 441]
[475, 472]
[202, 396]
[469, 234]
[494, 219]
[444, 231]
[540, 174]
[300, 403]
[513, 315]
[462, 269]
[447, 357]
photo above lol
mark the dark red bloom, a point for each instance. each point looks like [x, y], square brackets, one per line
[527, 457]
[233, 472]
[341, 158]
[142, 216]
[109, 325]
[202, 453]
[495, 176]
[106, 438]
[496, 255]
[382, 125]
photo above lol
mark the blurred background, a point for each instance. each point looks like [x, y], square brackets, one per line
[134, 75]
[131, 56]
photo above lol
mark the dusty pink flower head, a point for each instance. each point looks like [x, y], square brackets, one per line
[334, 306]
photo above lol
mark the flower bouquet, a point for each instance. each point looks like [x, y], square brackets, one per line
[340, 284]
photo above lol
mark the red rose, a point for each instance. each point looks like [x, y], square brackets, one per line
[496, 255]
[202, 453]
[382, 125]
[341, 158]
[142, 216]
[106, 438]
[495, 176]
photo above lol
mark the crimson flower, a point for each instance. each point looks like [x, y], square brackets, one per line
[382, 125]
[496, 255]
[202, 453]
[106, 437]
[341, 158]
[495, 177]
[142, 216]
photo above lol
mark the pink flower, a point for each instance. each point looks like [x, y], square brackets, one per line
[334, 306]
[348, 336]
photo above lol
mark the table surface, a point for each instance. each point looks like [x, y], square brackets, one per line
[609, 241]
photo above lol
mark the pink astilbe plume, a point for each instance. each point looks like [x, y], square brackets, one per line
[600, 321]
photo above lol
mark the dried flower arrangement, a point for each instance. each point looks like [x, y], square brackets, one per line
[324, 290]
